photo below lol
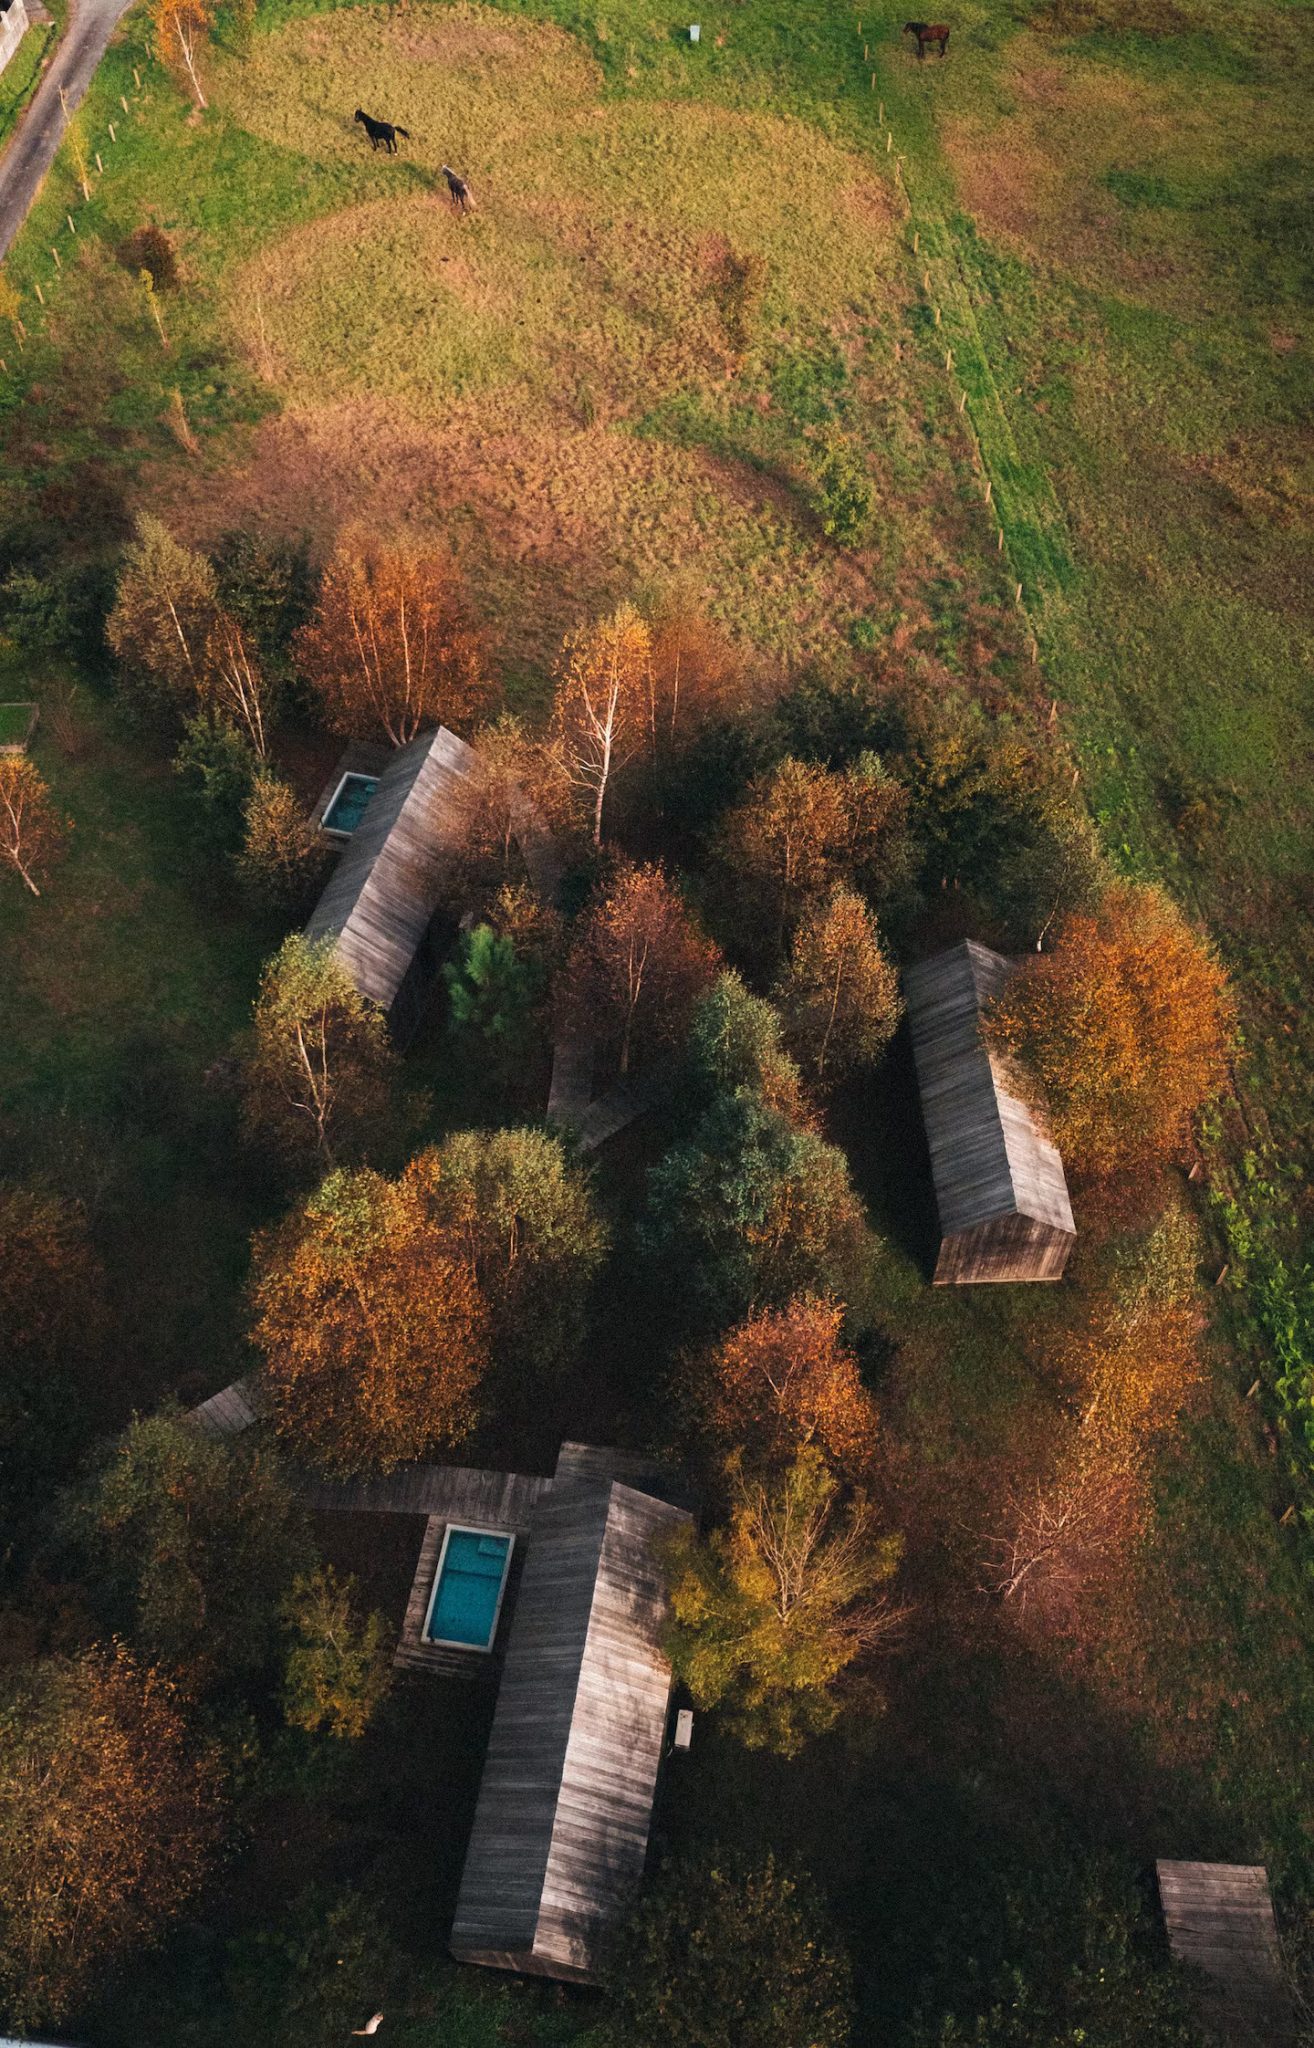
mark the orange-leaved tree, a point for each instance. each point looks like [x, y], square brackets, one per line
[1127, 1372]
[782, 1379]
[32, 832]
[784, 842]
[638, 966]
[392, 647]
[694, 674]
[107, 1822]
[1127, 1026]
[603, 703]
[839, 995]
[370, 1321]
[182, 29]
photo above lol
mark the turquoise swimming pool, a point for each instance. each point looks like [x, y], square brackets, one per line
[468, 1587]
[349, 800]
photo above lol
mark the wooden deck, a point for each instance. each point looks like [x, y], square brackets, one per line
[452, 1493]
[1219, 1918]
[229, 1412]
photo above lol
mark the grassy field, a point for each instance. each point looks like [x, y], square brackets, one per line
[1103, 203]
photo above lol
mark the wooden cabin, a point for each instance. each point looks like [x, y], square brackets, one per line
[561, 1826]
[999, 1185]
[1219, 1918]
[380, 902]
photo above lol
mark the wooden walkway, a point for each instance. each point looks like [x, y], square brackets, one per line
[1219, 1918]
[228, 1412]
[453, 1493]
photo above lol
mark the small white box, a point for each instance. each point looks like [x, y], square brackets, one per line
[684, 1728]
[695, 31]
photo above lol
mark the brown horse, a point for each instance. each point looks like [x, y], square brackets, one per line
[927, 32]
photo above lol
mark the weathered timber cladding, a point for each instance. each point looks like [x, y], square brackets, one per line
[450, 1493]
[1219, 1918]
[999, 1185]
[380, 900]
[561, 1827]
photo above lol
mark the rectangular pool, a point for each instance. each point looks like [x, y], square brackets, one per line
[347, 806]
[468, 1587]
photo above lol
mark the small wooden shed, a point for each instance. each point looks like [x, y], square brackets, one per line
[561, 1826]
[999, 1185]
[379, 903]
[1219, 1918]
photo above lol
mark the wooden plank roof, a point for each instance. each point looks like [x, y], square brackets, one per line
[1219, 1918]
[561, 1826]
[989, 1159]
[454, 1493]
[381, 896]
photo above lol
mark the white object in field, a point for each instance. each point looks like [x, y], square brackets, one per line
[695, 30]
[684, 1728]
[370, 2026]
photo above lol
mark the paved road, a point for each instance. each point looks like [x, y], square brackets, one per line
[32, 150]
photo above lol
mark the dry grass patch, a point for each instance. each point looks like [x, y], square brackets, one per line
[550, 523]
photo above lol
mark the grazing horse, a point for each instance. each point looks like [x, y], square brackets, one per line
[459, 190]
[927, 32]
[385, 132]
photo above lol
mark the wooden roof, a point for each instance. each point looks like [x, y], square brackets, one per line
[989, 1160]
[382, 894]
[561, 1826]
[1219, 1918]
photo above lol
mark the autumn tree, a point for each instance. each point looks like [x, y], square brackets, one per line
[782, 1379]
[1127, 1027]
[187, 1545]
[523, 795]
[339, 1661]
[880, 856]
[735, 1041]
[694, 674]
[603, 706]
[282, 856]
[392, 647]
[370, 1321]
[178, 645]
[783, 842]
[107, 1822]
[637, 967]
[1126, 1372]
[721, 1952]
[182, 31]
[840, 995]
[768, 1612]
[315, 1079]
[747, 1212]
[32, 832]
[524, 1216]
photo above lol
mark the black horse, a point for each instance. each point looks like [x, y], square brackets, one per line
[385, 132]
[927, 32]
[459, 190]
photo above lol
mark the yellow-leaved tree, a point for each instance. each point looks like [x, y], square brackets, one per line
[370, 1321]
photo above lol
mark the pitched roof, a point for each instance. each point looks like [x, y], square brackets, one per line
[561, 1826]
[1219, 1918]
[381, 896]
[989, 1159]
